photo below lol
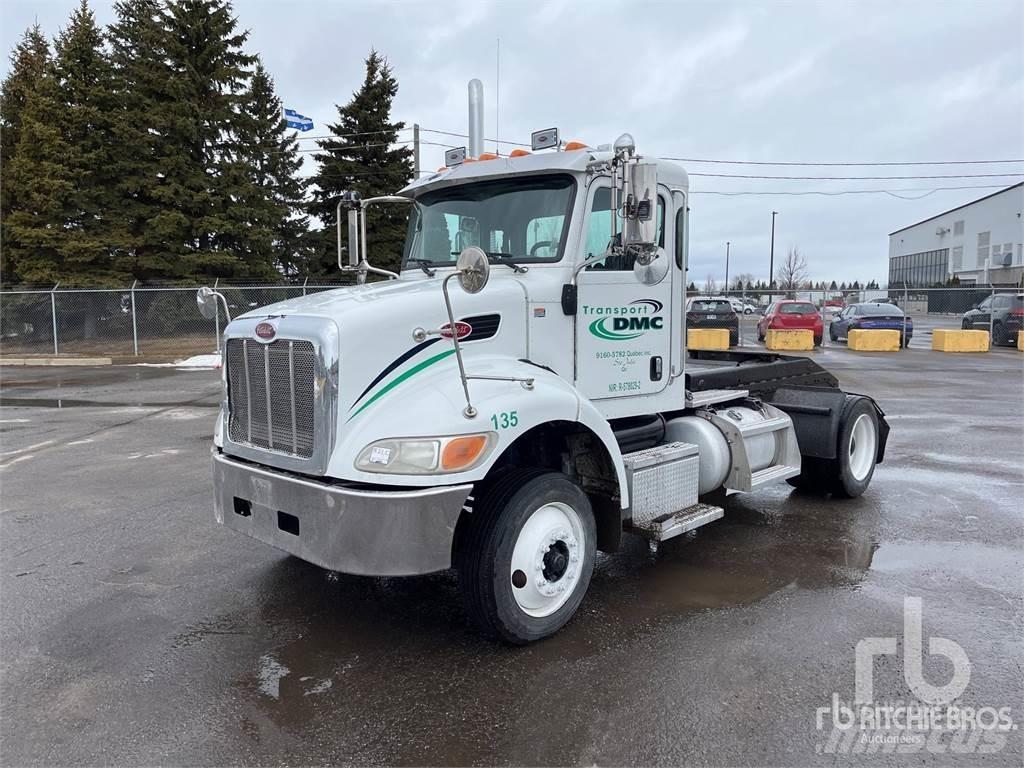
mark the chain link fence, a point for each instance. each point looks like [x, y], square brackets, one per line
[916, 312]
[163, 322]
[138, 321]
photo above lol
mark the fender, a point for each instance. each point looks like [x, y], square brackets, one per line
[505, 408]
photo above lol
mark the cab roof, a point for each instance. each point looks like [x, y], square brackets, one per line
[568, 161]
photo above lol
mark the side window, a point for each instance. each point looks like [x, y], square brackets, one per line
[680, 239]
[543, 236]
[599, 227]
[1001, 302]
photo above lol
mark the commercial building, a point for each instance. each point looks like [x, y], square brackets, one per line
[979, 242]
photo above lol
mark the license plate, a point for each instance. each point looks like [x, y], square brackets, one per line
[712, 317]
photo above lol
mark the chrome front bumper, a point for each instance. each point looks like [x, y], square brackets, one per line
[371, 533]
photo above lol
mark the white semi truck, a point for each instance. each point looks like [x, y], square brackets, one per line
[516, 422]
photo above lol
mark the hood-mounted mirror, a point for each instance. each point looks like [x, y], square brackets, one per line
[473, 269]
[206, 300]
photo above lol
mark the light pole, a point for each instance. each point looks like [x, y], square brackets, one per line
[726, 265]
[771, 258]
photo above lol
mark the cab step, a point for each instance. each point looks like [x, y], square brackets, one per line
[676, 523]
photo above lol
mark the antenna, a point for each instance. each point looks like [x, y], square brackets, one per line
[497, 96]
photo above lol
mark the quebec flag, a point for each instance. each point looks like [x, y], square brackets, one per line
[295, 120]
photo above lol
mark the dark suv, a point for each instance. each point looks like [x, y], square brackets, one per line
[713, 312]
[1007, 313]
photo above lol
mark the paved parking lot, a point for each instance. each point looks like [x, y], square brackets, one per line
[135, 631]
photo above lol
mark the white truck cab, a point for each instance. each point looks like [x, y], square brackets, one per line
[518, 397]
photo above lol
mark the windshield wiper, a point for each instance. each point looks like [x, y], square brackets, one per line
[496, 257]
[425, 266]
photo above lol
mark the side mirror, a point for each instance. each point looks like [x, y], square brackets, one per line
[473, 269]
[353, 237]
[206, 299]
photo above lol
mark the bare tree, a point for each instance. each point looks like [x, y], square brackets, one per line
[792, 272]
[710, 286]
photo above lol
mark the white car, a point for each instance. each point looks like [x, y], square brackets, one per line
[740, 306]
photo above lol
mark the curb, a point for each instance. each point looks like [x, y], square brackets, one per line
[55, 361]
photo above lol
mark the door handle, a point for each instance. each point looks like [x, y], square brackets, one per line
[656, 371]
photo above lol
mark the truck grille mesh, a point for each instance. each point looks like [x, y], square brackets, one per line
[270, 395]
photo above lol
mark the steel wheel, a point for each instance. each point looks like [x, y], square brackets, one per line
[546, 559]
[863, 447]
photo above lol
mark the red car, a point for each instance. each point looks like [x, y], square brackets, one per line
[792, 314]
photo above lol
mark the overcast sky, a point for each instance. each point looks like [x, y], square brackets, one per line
[769, 81]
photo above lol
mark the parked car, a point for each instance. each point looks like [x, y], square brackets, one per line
[741, 306]
[791, 314]
[871, 316]
[1007, 315]
[713, 312]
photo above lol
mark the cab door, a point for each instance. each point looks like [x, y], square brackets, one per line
[623, 327]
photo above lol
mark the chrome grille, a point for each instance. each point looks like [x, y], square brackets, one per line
[270, 395]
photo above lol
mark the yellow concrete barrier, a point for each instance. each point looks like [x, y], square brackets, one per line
[955, 340]
[792, 340]
[1020, 340]
[707, 338]
[873, 341]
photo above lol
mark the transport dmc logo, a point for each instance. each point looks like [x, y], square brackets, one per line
[932, 721]
[626, 322]
[266, 331]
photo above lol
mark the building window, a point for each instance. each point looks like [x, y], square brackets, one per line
[919, 270]
[983, 240]
[958, 227]
[957, 258]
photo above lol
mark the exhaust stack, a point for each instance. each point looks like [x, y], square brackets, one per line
[476, 118]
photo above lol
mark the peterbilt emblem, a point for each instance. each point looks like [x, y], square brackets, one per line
[266, 331]
[461, 328]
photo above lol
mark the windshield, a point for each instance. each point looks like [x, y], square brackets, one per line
[797, 309]
[512, 219]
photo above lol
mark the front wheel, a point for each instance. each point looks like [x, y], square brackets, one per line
[526, 561]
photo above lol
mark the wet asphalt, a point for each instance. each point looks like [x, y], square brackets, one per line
[133, 630]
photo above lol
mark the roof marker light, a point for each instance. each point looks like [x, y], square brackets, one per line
[573, 146]
[518, 153]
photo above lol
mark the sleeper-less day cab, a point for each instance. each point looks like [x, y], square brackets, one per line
[519, 396]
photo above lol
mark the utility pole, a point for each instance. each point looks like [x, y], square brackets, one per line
[415, 151]
[727, 265]
[771, 258]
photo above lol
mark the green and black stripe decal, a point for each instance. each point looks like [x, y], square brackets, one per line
[398, 362]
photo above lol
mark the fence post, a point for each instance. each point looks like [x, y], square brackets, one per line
[135, 325]
[991, 312]
[216, 320]
[304, 285]
[906, 308]
[53, 313]
[822, 311]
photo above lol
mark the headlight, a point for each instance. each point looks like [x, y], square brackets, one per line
[426, 455]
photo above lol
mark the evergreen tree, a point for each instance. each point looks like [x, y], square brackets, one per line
[363, 157]
[30, 61]
[140, 129]
[265, 226]
[60, 173]
[207, 77]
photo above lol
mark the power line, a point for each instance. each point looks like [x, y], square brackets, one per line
[838, 192]
[909, 162]
[855, 178]
[466, 136]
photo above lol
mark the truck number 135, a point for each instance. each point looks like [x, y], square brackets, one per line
[505, 419]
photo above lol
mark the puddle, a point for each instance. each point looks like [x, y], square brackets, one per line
[41, 402]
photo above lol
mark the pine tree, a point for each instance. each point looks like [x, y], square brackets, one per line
[363, 157]
[140, 129]
[264, 226]
[60, 172]
[30, 61]
[207, 78]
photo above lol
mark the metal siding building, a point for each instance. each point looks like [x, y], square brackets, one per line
[979, 242]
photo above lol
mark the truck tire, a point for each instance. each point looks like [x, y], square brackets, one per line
[849, 474]
[526, 559]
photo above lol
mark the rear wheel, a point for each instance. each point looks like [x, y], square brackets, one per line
[849, 474]
[832, 334]
[817, 341]
[528, 554]
[998, 333]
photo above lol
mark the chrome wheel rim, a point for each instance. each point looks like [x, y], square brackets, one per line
[863, 446]
[547, 559]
